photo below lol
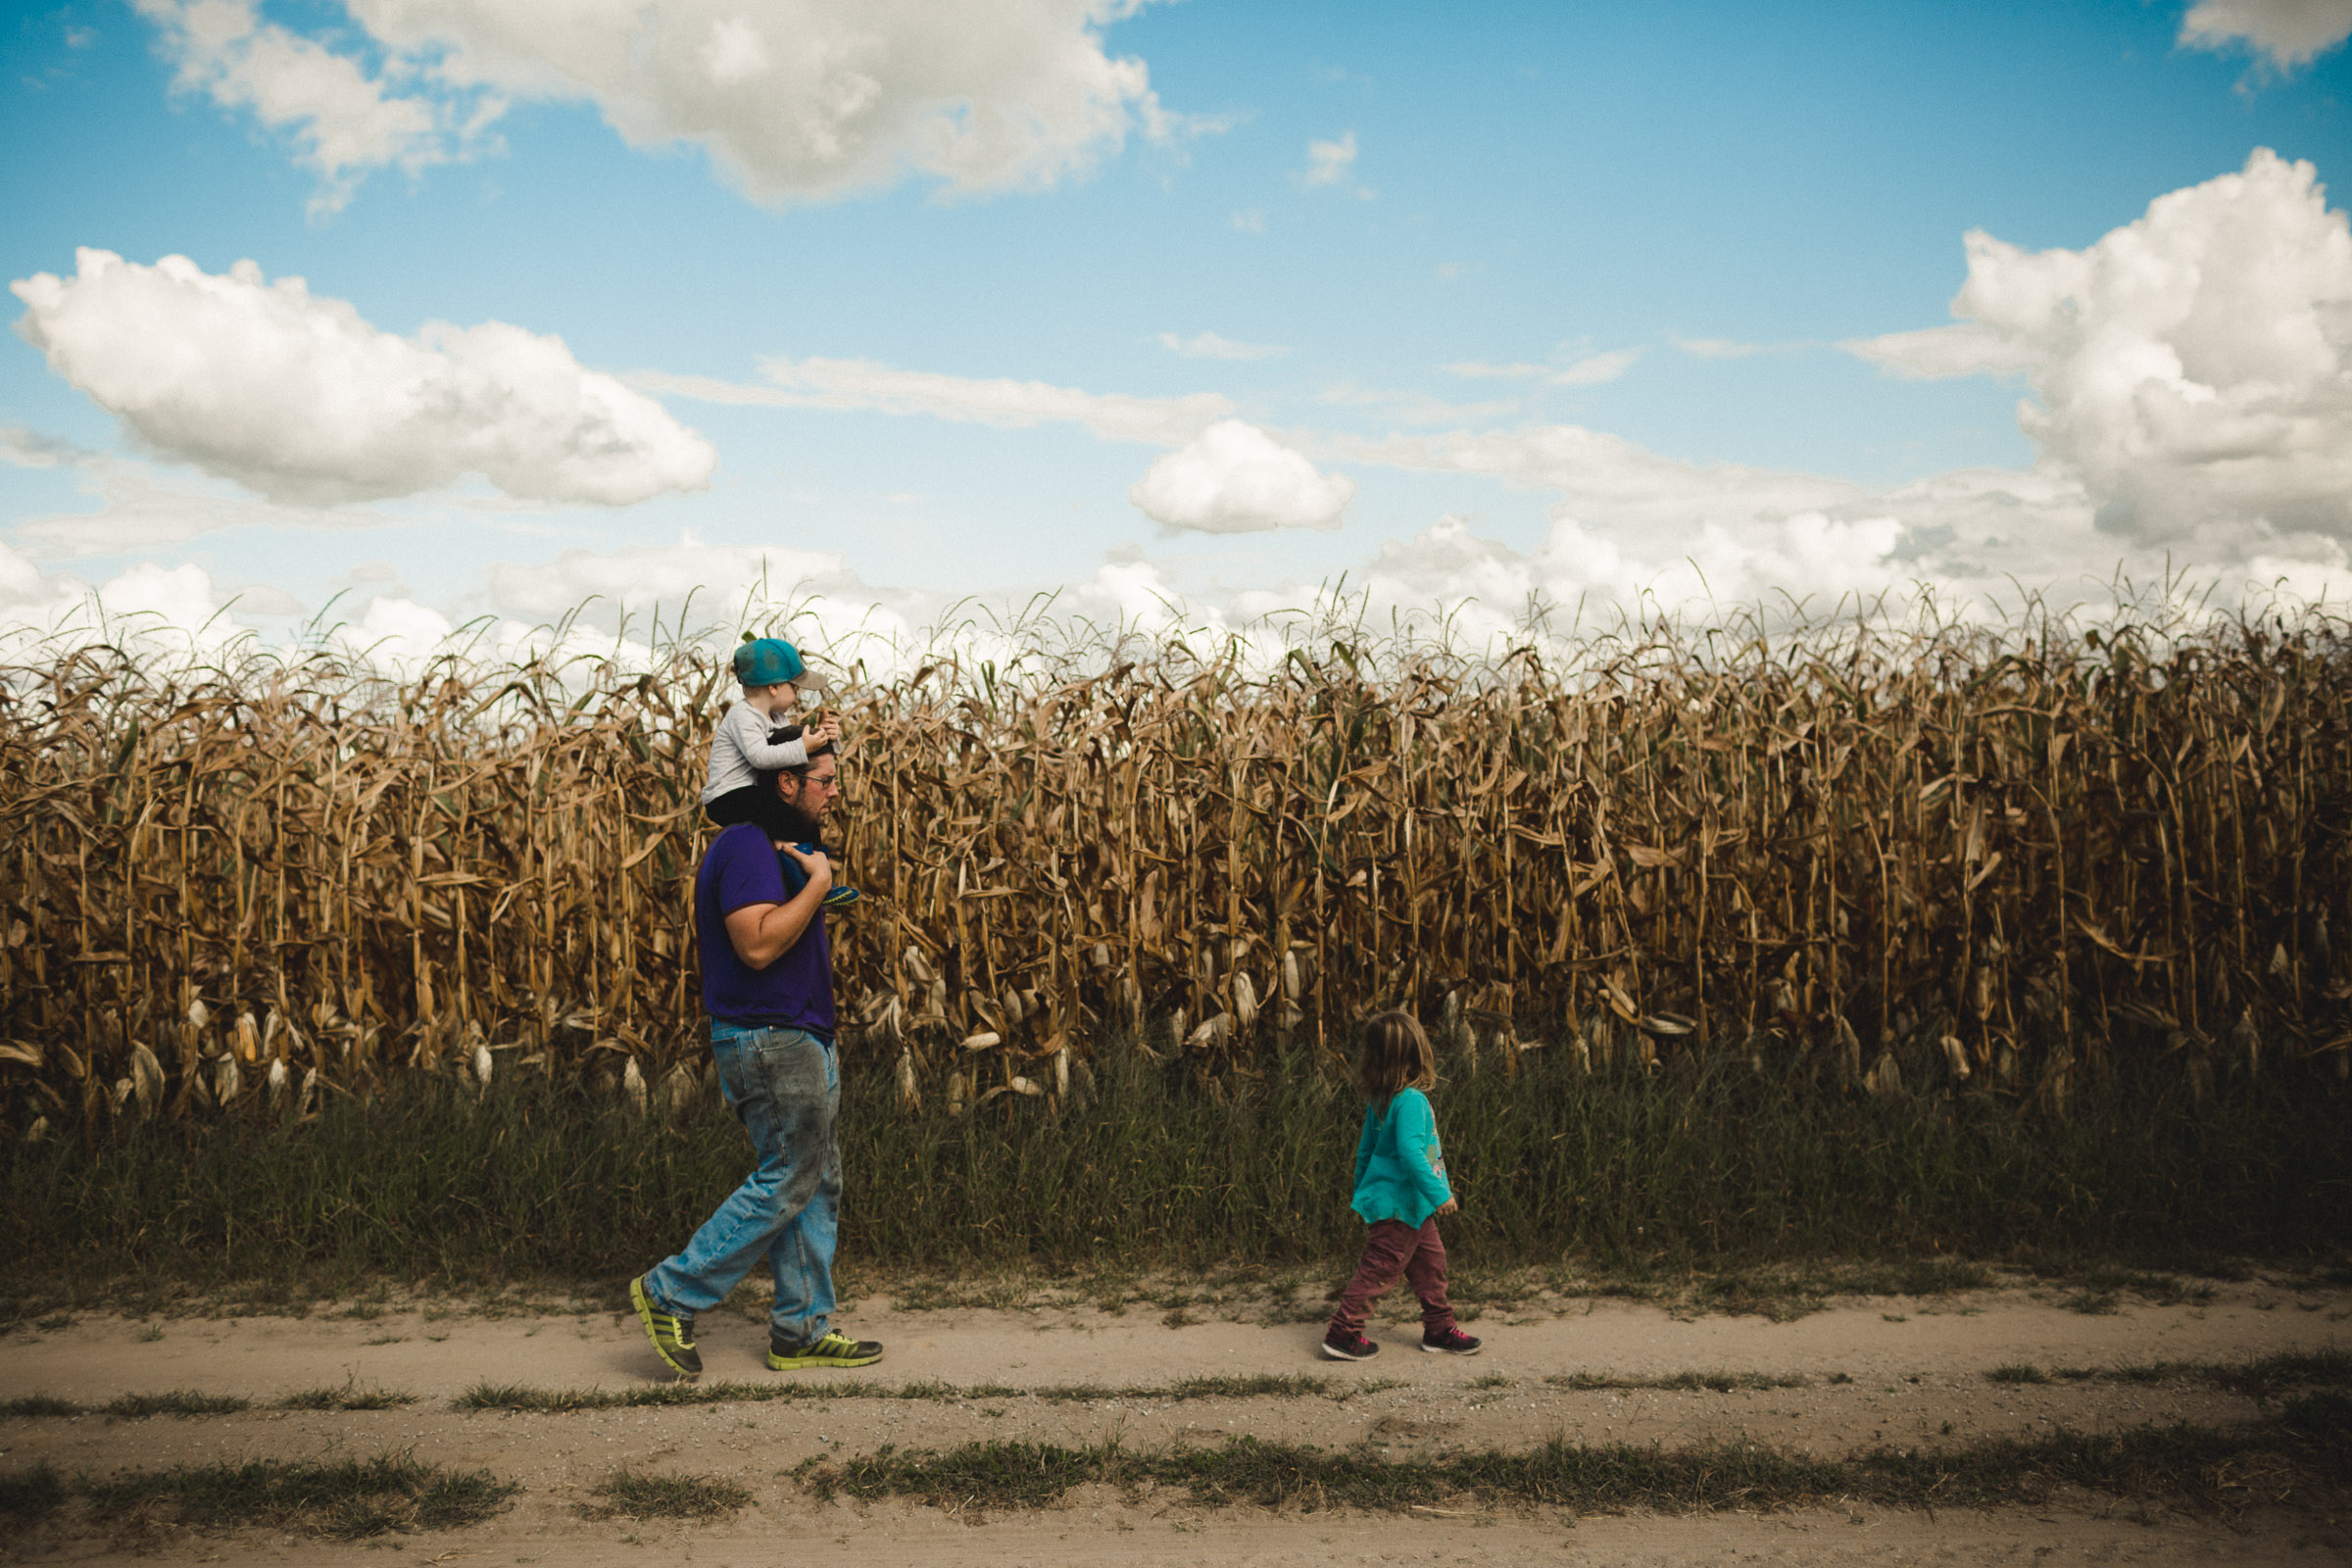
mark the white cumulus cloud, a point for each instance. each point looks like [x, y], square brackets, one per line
[298, 398]
[792, 98]
[2291, 32]
[171, 610]
[1328, 162]
[2194, 366]
[347, 120]
[1235, 479]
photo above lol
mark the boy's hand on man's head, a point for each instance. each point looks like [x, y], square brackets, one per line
[826, 730]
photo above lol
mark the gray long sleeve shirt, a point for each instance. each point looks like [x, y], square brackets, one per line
[740, 752]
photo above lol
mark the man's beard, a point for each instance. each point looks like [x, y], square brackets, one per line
[780, 819]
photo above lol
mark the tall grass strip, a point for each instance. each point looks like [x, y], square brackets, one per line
[522, 1398]
[637, 1496]
[2184, 1464]
[1699, 1165]
[346, 1498]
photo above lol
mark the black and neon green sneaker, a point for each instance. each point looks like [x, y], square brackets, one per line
[829, 1349]
[671, 1333]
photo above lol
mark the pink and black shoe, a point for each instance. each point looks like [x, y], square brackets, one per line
[1347, 1345]
[1454, 1342]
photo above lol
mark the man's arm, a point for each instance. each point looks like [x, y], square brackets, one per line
[763, 933]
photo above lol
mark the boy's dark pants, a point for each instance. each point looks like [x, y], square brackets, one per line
[1394, 1247]
[736, 805]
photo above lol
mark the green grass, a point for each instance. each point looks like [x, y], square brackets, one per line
[187, 1402]
[348, 1396]
[28, 1495]
[345, 1498]
[515, 1396]
[1713, 1382]
[2266, 1375]
[668, 1496]
[1698, 1168]
[174, 1401]
[2191, 1465]
[2262, 1376]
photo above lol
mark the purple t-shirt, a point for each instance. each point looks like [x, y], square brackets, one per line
[795, 992]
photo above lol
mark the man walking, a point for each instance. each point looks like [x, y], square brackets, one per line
[767, 986]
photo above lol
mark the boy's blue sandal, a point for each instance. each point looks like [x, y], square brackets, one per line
[830, 1349]
[1454, 1342]
[1343, 1347]
[672, 1334]
[795, 879]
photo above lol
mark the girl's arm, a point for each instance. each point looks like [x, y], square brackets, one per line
[1363, 1151]
[1417, 1143]
[748, 728]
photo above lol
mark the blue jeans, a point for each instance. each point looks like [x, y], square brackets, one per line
[785, 1087]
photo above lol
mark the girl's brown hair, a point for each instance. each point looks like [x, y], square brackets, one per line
[1396, 1055]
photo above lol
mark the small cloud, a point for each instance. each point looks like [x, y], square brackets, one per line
[1449, 272]
[81, 38]
[2289, 32]
[1944, 353]
[264, 598]
[369, 581]
[1716, 348]
[1235, 479]
[1209, 346]
[1483, 371]
[20, 448]
[1249, 219]
[1412, 407]
[1589, 370]
[1594, 369]
[1328, 162]
[1000, 400]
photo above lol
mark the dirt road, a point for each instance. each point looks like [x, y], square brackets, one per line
[1900, 1373]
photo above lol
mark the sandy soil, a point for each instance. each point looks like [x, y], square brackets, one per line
[1895, 1371]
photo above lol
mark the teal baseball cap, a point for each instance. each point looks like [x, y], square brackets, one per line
[770, 661]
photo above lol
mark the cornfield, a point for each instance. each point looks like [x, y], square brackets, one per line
[1888, 861]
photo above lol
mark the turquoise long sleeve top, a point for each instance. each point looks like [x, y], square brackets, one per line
[1399, 1168]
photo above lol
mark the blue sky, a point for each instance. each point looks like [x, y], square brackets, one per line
[1574, 299]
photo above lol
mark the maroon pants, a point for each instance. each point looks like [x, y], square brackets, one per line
[1391, 1249]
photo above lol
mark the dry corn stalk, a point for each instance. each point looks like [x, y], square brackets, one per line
[1997, 835]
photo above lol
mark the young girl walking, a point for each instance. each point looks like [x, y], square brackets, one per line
[1401, 1190]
